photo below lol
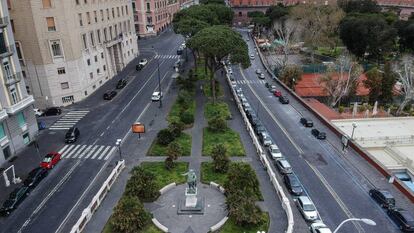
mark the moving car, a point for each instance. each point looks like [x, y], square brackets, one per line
[38, 112]
[252, 56]
[318, 134]
[403, 219]
[283, 166]
[274, 152]
[35, 176]
[109, 95]
[53, 111]
[156, 96]
[382, 197]
[283, 100]
[265, 139]
[319, 227]
[292, 184]
[141, 64]
[307, 208]
[258, 71]
[180, 51]
[72, 135]
[272, 88]
[121, 83]
[306, 122]
[15, 198]
[50, 160]
[277, 93]
[261, 76]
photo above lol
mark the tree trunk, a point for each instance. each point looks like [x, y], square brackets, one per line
[403, 104]
[213, 86]
[205, 65]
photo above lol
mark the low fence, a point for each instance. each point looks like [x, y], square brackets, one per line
[267, 165]
[397, 183]
[98, 198]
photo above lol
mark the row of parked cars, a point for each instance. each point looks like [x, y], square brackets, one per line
[303, 202]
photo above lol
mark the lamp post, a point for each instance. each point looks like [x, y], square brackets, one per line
[364, 220]
[159, 79]
[354, 125]
[118, 144]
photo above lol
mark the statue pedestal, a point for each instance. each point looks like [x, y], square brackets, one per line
[191, 205]
[190, 198]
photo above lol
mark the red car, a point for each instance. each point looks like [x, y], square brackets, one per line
[277, 93]
[50, 160]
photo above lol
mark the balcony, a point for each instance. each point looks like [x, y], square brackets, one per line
[11, 110]
[15, 78]
[7, 51]
[3, 114]
[114, 40]
[4, 21]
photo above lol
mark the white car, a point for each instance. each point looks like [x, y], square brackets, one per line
[319, 227]
[143, 62]
[265, 138]
[156, 96]
[252, 56]
[274, 152]
[307, 208]
[258, 71]
[38, 112]
[261, 76]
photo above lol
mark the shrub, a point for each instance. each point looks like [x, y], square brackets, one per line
[165, 137]
[129, 215]
[217, 124]
[184, 99]
[141, 184]
[187, 117]
[169, 163]
[341, 109]
[221, 161]
[174, 150]
[176, 127]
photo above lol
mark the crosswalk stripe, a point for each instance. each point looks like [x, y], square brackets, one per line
[96, 153]
[110, 153]
[80, 149]
[73, 151]
[63, 149]
[103, 152]
[58, 128]
[68, 150]
[91, 151]
[85, 151]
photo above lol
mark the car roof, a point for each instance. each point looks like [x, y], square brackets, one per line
[273, 146]
[284, 162]
[156, 93]
[305, 200]
[385, 192]
[408, 217]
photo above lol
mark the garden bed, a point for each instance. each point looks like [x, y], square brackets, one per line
[228, 137]
[184, 141]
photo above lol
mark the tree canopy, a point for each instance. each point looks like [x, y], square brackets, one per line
[405, 31]
[359, 6]
[206, 2]
[277, 12]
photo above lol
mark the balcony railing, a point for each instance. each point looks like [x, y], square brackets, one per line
[4, 21]
[7, 52]
[13, 109]
[15, 78]
[3, 114]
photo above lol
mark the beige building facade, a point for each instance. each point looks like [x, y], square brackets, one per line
[68, 49]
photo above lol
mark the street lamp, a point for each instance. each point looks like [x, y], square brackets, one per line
[118, 144]
[354, 125]
[159, 79]
[364, 220]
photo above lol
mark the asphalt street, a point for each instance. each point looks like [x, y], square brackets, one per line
[61, 196]
[330, 182]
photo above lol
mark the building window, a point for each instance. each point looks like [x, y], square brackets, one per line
[14, 95]
[117, 10]
[50, 24]
[100, 82]
[84, 41]
[98, 71]
[56, 48]
[105, 35]
[26, 138]
[92, 39]
[88, 61]
[86, 93]
[98, 33]
[126, 9]
[95, 15]
[77, 2]
[88, 17]
[113, 13]
[61, 70]
[47, 3]
[2, 133]
[68, 99]
[80, 19]
[148, 7]
[107, 14]
[102, 55]
[96, 58]
[102, 15]
[21, 120]
[104, 67]
[94, 86]
[64, 85]
[91, 75]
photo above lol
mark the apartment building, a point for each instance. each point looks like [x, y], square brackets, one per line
[18, 126]
[153, 16]
[69, 48]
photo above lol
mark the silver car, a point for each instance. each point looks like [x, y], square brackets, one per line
[307, 208]
[265, 138]
[319, 227]
[283, 166]
[274, 152]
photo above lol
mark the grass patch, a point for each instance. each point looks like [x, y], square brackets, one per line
[164, 176]
[326, 51]
[232, 227]
[200, 71]
[207, 90]
[160, 150]
[151, 228]
[220, 108]
[208, 174]
[229, 138]
[176, 110]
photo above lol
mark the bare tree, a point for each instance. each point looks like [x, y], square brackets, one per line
[405, 71]
[340, 77]
[285, 31]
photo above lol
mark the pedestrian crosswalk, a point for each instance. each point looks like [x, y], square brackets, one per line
[167, 56]
[68, 120]
[250, 81]
[98, 152]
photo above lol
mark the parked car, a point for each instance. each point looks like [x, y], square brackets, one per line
[141, 64]
[246, 105]
[318, 134]
[255, 121]
[239, 91]
[307, 208]
[403, 219]
[72, 135]
[156, 96]
[259, 128]
[274, 152]
[229, 70]
[293, 184]
[283, 166]
[53, 111]
[261, 76]
[382, 197]
[15, 198]
[265, 139]
[319, 227]
[283, 100]
[38, 112]
[271, 88]
[252, 56]
[109, 95]
[258, 71]
[277, 93]
[306, 122]
[177, 64]
[180, 51]
[121, 83]
[35, 176]
[50, 160]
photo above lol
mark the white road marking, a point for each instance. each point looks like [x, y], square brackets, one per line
[85, 151]
[73, 151]
[63, 149]
[91, 151]
[97, 152]
[80, 149]
[103, 152]
[110, 153]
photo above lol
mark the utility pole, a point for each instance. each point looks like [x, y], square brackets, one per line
[159, 79]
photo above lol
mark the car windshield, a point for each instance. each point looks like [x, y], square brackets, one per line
[275, 150]
[47, 159]
[308, 207]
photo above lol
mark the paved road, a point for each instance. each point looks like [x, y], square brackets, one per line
[336, 189]
[61, 195]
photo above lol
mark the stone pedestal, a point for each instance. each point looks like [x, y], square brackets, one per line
[190, 198]
[191, 204]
